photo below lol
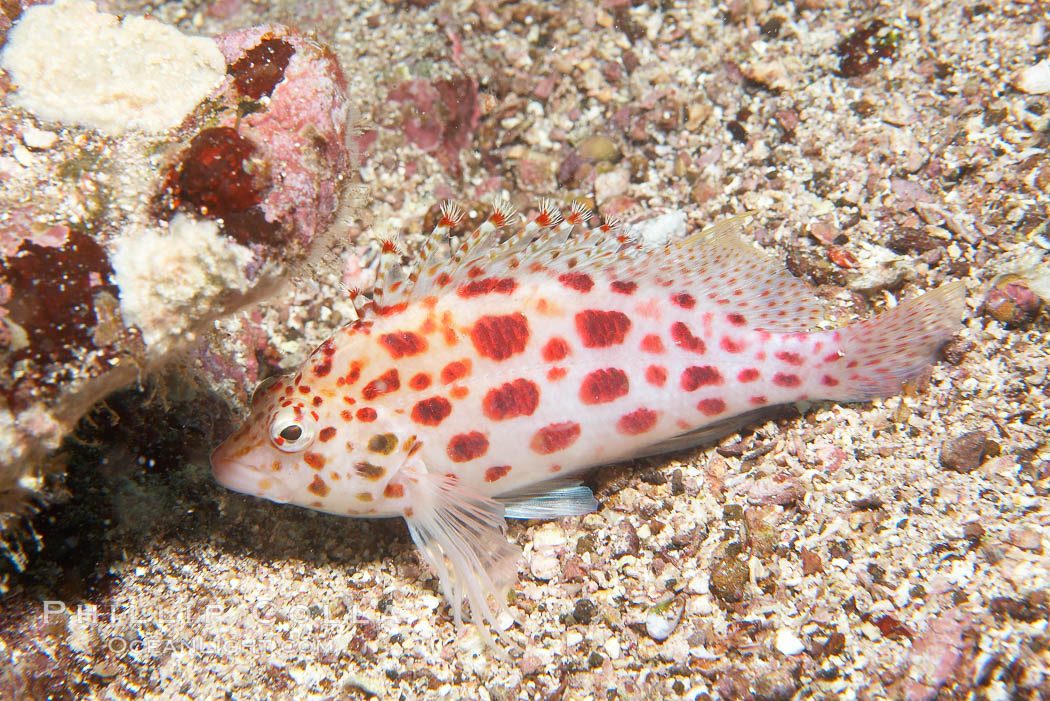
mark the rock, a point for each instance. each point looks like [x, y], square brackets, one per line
[212, 203]
[584, 611]
[624, 540]
[1026, 539]
[75, 65]
[781, 489]
[661, 229]
[729, 578]
[964, 453]
[598, 148]
[659, 624]
[811, 562]
[935, 655]
[610, 184]
[788, 643]
[1012, 301]
[1033, 80]
[774, 685]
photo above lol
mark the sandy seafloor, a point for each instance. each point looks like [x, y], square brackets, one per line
[880, 575]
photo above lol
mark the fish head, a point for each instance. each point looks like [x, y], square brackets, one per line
[307, 445]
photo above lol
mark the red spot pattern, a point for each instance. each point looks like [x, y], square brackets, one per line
[324, 367]
[785, 380]
[555, 437]
[402, 343]
[731, 346]
[326, 434]
[828, 381]
[488, 285]
[455, 370]
[832, 357]
[346, 415]
[747, 375]
[314, 460]
[499, 337]
[494, 473]
[697, 376]
[638, 421]
[512, 399]
[581, 282]
[652, 344]
[555, 374]
[711, 406]
[790, 358]
[683, 300]
[464, 447]
[600, 329]
[603, 386]
[758, 399]
[684, 338]
[656, 375]
[623, 287]
[366, 414]
[555, 349]
[419, 381]
[317, 400]
[432, 411]
[394, 490]
[384, 384]
[736, 319]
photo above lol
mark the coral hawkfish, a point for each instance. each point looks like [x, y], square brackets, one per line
[479, 387]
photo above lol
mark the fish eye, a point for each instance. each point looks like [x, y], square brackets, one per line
[290, 431]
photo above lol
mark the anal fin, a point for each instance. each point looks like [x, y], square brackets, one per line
[550, 499]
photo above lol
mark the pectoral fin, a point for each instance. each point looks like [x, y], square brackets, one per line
[462, 536]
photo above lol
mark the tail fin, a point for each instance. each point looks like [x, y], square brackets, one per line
[884, 352]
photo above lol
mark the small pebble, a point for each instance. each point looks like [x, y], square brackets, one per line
[788, 643]
[964, 453]
[1026, 539]
[1033, 80]
[38, 138]
[660, 624]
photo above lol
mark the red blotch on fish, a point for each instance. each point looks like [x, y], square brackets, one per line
[600, 329]
[605, 385]
[494, 473]
[488, 285]
[500, 337]
[384, 384]
[555, 437]
[403, 343]
[581, 282]
[637, 422]
[432, 411]
[556, 349]
[512, 399]
[697, 376]
[464, 447]
[684, 338]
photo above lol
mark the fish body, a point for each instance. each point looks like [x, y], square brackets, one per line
[477, 388]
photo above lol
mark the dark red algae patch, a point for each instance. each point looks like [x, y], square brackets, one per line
[861, 52]
[52, 300]
[262, 67]
[213, 179]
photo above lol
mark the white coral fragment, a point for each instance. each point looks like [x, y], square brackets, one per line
[72, 64]
[170, 281]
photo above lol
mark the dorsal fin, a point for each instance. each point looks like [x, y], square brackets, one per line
[715, 264]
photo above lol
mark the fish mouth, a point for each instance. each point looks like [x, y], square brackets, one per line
[241, 477]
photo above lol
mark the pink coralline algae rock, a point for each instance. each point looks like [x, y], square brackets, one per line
[273, 166]
[936, 656]
[440, 116]
[109, 263]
